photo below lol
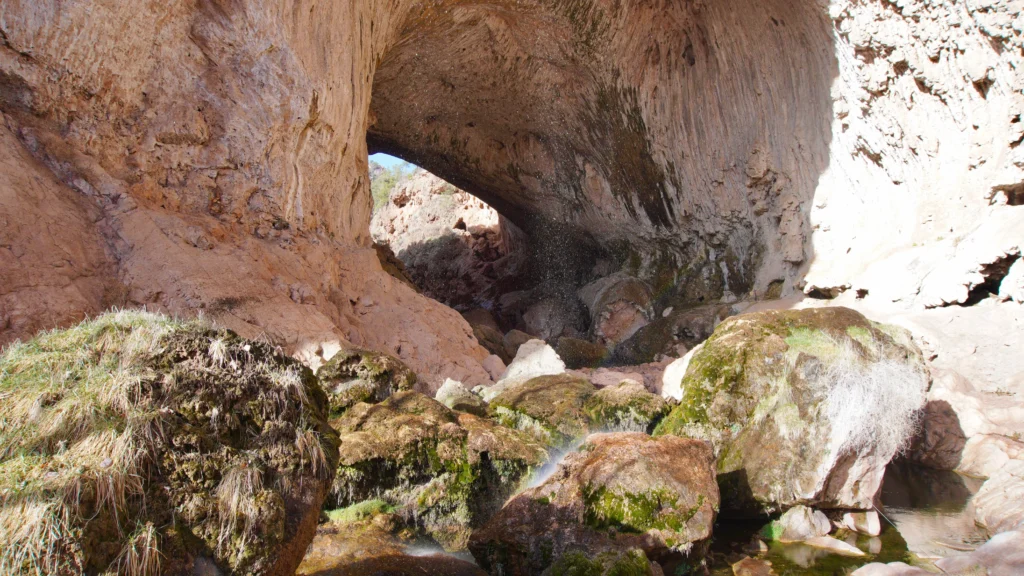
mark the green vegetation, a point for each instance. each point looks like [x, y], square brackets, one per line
[128, 440]
[384, 180]
[427, 461]
[636, 512]
[576, 563]
[359, 511]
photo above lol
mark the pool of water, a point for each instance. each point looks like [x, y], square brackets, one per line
[926, 515]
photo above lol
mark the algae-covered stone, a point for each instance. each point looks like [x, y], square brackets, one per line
[548, 407]
[802, 406]
[626, 406]
[448, 470]
[620, 492]
[578, 353]
[137, 443]
[610, 563]
[354, 375]
[455, 396]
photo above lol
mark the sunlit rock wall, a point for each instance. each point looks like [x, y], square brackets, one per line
[213, 152]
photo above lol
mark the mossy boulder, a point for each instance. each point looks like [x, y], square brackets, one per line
[548, 407]
[620, 492]
[447, 471]
[626, 406]
[802, 406]
[354, 375]
[577, 353]
[610, 563]
[136, 443]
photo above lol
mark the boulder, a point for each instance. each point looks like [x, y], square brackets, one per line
[679, 330]
[579, 353]
[448, 470]
[534, 358]
[494, 366]
[798, 524]
[620, 492]
[626, 406]
[863, 522]
[492, 340]
[551, 317]
[802, 406]
[455, 396]
[1002, 554]
[512, 340]
[999, 504]
[354, 375]
[606, 563]
[940, 441]
[551, 408]
[619, 305]
[373, 542]
[170, 446]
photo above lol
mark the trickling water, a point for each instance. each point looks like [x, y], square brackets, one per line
[544, 472]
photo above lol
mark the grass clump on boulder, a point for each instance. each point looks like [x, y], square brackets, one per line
[802, 406]
[444, 471]
[138, 444]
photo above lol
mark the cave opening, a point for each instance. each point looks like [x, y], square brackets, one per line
[510, 283]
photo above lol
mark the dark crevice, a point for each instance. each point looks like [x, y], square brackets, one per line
[994, 273]
[1014, 194]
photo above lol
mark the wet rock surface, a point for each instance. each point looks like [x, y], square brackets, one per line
[620, 492]
[449, 470]
[785, 397]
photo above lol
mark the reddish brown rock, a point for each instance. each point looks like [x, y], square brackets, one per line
[621, 491]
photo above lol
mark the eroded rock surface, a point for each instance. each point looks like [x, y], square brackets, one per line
[447, 470]
[620, 492]
[804, 406]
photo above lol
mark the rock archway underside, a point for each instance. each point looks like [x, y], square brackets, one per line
[211, 155]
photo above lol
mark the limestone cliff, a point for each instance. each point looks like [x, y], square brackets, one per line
[210, 155]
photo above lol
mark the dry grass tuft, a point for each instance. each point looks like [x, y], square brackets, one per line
[873, 406]
[87, 417]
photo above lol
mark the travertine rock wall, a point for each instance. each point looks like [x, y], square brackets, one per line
[210, 155]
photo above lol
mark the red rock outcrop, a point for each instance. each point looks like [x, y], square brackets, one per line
[210, 155]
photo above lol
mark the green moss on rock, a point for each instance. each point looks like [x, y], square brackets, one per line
[446, 470]
[355, 375]
[133, 436]
[757, 389]
[626, 406]
[549, 407]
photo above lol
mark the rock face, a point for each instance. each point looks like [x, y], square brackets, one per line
[447, 470]
[161, 445]
[619, 492]
[804, 406]
[455, 248]
[239, 147]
